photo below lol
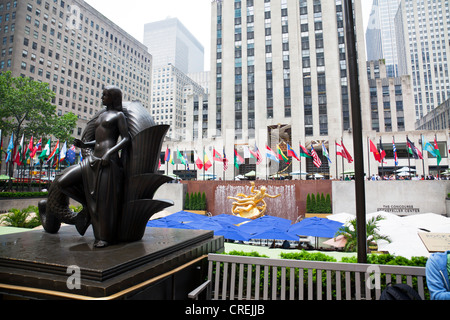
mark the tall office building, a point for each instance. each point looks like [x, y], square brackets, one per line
[169, 41]
[423, 30]
[76, 50]
[279, 69]
[381, 35]
[169, 95]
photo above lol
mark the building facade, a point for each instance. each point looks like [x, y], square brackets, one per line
[76, 50]
[170, 90]
[170, 42]
[391, 99]
[423, 31]
[381, 42]
[279, 74]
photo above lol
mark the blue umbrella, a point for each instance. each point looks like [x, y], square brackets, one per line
[185, 216]
[208, 224]
[158, 223]
[275, 234]
[233, 233]
[316, 227]
[229, 218]
[265, 223]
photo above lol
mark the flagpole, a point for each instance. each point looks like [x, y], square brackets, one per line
[368, 156]
[409, 162]
[437, 160]
[342, 144]
[423, 161]
[395, 162]
[203, 163]
[335, 157]
[381, 159]
[300, 151]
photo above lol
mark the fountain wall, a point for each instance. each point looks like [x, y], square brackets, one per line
[290, 205]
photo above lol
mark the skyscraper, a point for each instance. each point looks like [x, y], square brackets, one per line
[381, 36]
[423, 31]
[76, 50]
[279, 64]
[169, 41]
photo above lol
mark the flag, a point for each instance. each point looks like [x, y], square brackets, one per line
[325, 153]
[395, 153]
[316, 160]
[167, 156]
[271, 155]
[436, 150]
[374, 150]
[304, 152]
[186, 158]
[382, 152]
[257, 155]
[171, 158]
[198, 161]
[347, 154]
[63, 153]
[281, 155]
[237, 159]
[217, 156]
[246, 152]
[54, 152]
[37, 147]
[10, 148]
[180, 156]
[342, 151]
[291, 152]
[206, 163]
[18, 158]
[413, 150]
[29, 149]
[225, 161]
[71, 154]
[46, 151]
[428, 147]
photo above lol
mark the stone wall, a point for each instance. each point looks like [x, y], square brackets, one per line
[290, 205]
[399, 197]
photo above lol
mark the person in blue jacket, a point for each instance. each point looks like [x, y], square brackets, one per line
[437, 274]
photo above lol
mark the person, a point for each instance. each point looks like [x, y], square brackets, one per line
[437, 274]
[101, 174]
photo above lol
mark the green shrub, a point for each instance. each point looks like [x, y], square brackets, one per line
[23, 194]
[20, 218]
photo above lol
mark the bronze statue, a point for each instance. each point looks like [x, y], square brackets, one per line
[251, 206]
[116, 180]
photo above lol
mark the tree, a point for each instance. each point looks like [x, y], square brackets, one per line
[372, 234]
[26, 109]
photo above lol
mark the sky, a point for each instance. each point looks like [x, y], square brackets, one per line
[132, 15]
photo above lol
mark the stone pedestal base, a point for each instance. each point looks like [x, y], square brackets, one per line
[165, 264]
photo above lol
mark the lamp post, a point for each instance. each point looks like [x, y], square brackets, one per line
[357, 131]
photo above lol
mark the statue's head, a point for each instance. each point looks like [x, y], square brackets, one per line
[112, 97]
[263, 189]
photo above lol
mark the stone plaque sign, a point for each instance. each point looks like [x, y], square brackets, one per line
[435, 242]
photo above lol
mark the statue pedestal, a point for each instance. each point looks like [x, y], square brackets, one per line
[165, 264]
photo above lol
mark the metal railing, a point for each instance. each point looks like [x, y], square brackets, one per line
[250, 278]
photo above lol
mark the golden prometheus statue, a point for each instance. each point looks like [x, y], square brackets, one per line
[251, 206]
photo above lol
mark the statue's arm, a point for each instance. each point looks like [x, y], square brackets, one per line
[269, 196]
[83, 145]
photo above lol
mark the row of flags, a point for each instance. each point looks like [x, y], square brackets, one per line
[31, 152]
[205, 163]
[433, 149]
